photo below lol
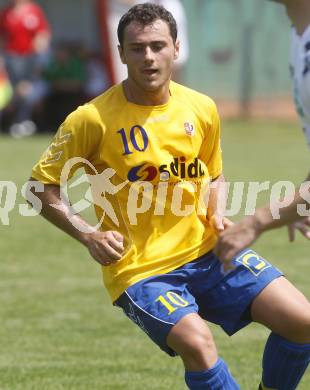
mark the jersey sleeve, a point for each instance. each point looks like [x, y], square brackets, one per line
[75, 144]
[211, 152]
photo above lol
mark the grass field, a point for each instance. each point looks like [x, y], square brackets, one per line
[58, 329]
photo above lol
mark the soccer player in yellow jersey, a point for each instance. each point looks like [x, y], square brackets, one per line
[151, 150]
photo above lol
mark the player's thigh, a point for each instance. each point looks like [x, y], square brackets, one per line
[156, 305]
[284, 310]
[226, 297]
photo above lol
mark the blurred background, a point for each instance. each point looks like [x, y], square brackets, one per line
[236, 51]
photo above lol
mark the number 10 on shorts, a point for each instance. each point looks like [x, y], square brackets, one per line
[172, 301]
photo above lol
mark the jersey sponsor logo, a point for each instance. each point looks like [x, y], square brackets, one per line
[141, 173]
[178, 168]
[253, 262]
[106, 183]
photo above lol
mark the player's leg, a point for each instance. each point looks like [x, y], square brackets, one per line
[286, 312]
[224, 298]
[191, 338]
[165, 309]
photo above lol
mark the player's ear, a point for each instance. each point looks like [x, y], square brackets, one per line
[121, 54]
[176, 49]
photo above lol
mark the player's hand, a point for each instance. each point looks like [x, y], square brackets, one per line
[105, 247]
[236, 238]
[219, 223]
[303, 226]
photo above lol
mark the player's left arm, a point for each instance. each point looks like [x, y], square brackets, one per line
[211, 154]
[217, 205]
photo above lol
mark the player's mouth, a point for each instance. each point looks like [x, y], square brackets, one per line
[150, 71]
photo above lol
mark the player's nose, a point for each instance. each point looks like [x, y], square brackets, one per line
[148, 55]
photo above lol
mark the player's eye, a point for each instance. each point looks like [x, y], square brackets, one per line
[137, 49]
[157, 46]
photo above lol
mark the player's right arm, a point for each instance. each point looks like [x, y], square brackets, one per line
[79, 137]
[245, 232]
[264, 219]
[105, 247]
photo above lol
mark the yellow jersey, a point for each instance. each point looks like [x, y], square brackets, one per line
[148, 166]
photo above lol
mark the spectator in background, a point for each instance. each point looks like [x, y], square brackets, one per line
[66, 78]
[6, 91]
[25, 37]
[119, 7]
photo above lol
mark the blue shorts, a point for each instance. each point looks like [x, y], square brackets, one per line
[157, 303]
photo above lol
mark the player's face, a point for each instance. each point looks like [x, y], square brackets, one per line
[149, 53]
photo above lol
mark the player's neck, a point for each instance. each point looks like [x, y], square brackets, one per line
[137, 95]
[299, 15]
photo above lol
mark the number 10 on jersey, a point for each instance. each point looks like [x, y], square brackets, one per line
[137, 133]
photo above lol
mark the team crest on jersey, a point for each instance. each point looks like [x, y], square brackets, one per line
[189, 129]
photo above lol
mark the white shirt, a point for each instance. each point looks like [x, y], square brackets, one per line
[300, 70]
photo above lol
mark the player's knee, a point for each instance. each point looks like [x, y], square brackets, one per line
[197, 350]
[192, 339]
[299, 329]
[303, 329]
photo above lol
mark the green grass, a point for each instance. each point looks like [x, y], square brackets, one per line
[58, 329]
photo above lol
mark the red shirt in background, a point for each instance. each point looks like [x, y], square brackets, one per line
[19, 26]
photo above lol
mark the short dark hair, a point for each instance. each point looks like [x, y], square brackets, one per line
[146, 14]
